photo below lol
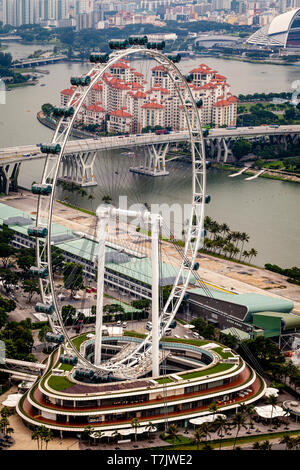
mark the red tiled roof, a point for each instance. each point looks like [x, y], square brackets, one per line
[159, 68]
[97, 87]
[120, 65]
[221, 103]
[139, 94]
[120, 113]
[153, 106]
[95, 108]
[67, 91]
[115, 83]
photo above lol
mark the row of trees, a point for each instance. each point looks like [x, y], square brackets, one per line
[42, 436]
[264, 96]
[242, 420]
[223, 241]
[293, 274]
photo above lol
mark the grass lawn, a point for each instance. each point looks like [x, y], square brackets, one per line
[224, 355]
[186, 443]
[86, 211]
[59, 383]
[79, 340]
[134, 333]
[66, 367]
[195, 342]
[214, 370]
[166, 380]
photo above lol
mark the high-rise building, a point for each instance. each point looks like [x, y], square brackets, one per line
[19, 12]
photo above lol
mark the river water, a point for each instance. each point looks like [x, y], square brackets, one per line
[268, 210]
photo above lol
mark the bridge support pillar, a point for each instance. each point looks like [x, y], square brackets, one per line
[219, 148]
[155, 165]
[79, 169]
[9, 181]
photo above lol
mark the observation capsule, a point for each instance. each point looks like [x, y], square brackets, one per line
[65, 359]
[44, 308]
[205, 132]
[37, 232]
[175, 58]
[54, 338]
[51, 148]
[199, 103]
[156, 45]
[81, 81]
[196, 266]
[137, 40]
[84, 373]
[118, 44]
[173, 324]
[34, 271]
[97, 58]
[189, 78]
[66, 112]
[43, 189]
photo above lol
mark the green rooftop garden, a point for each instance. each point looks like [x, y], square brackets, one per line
[165, 380]
[59, 383]
[224, 355]
[214, 370]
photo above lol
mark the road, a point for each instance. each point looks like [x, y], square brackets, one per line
[16, 154]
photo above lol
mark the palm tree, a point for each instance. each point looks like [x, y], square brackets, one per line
[256, 446]
[220, 425]
[150, 427]
[213, 408]
[208, 221]
[47, 436]
[224, 229]
[116, 435]
[207, 446]
[135, 424]
[273, 401]
[266, 445]
[244, 238]
[4, 423]
[36, 436]
[238, 422]
[198, 434]
[252, 253]
[172, 432]
[97, 435]
[206, 429]
[215, 229]
[288, 441]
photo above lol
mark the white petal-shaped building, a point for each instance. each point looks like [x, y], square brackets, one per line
[283, 31]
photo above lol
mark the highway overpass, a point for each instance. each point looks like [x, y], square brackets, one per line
[79, 155]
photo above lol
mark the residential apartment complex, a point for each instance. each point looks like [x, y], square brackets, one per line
[124, 102]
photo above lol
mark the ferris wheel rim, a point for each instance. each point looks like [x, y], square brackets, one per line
[193, 135]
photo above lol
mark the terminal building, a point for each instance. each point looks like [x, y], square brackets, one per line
[128, 272]
[246, 315]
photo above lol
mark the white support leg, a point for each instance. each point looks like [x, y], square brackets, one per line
[155, 294]
[102, 224]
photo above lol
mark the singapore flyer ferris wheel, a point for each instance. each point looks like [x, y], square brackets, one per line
[70, 163]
